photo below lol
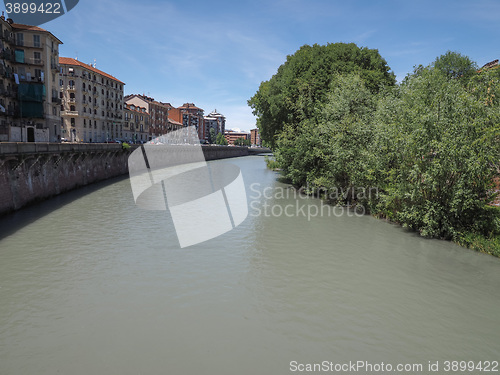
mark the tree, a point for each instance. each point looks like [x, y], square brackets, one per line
[242, 142]
[436, 147]
[220, 139]
[211, 136]
[303, 82]
[455, 65]
[329, 152]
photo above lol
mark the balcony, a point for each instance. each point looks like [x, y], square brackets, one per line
[56, 100]
[55, 67]
[71, 88]
[23, 43]
[6, 55]
[69, 113]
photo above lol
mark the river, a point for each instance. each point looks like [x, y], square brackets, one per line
[91, 284]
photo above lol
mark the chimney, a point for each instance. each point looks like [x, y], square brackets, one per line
[10, 20]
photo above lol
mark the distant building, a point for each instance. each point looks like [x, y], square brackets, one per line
[157, 111]
[255, 137]
[233, 135]
[215, 121]
[29, 100]
[136, 127]
[92, 103]
[491, 64]
[190, 115]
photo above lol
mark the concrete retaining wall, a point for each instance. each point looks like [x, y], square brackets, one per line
[30, 172]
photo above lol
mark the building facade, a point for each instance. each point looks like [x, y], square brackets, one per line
[157, 111]
[233, 135]
[92, 103]
[29, 92]
[136, 127]
[255, 137]
[190, 115]
[214, 120]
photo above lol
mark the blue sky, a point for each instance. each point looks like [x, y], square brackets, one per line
[216, 53]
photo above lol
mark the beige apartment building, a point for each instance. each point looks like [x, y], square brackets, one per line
[136, 127]
[29, 100]
[157, 111]
[92, 103]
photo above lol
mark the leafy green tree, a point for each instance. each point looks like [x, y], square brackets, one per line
[455, 65]
[436, 147]
[242, 142]
[211, 136]
[303, 82]
[329, 153]
[220, 139]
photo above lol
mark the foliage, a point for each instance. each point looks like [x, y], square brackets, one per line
[271, 163]
[481, 243]
[437, 149]
[211, 136]
[455, 65]
[430, 146]
[330, 152]
[242, 142]
[303, 83]
[220, 139]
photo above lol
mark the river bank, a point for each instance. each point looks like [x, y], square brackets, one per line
[31, 172]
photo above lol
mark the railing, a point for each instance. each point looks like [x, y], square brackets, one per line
[23, 43]
[70, 113]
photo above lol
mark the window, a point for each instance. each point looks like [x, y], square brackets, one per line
[36, 41]
[72, 108]
[83, 86]
[20, 39]
[73, 121]
[37, 58]
[19, 55]
[84, 123]
[61, 82]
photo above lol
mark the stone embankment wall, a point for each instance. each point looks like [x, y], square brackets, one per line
[30, 172]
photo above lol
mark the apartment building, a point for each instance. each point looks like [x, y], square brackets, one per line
[157, 111]
[92, 103]
[29, 100]
[136, 127]
[214, 120]
[233, 135]
[190, 115]
[255, 137]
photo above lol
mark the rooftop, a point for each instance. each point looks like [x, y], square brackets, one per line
[70, 61]
[20, 26]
